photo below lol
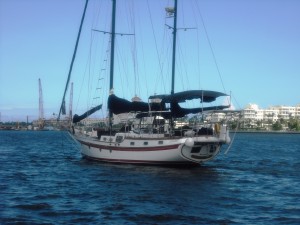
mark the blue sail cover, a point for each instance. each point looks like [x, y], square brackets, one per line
[178, 111]
[119, 105]
[77, 118]
[204, 95]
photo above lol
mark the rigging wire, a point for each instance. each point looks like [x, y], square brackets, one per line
[143, 59]
[102, 74]
[181, 67]
[82, 82]
[236, 101]
[89, 73]
[123, 71]
[94, 74]
[88, 62]
[73, 59]
[231, 142]
[210, 46]
[156, 47]
[198, 50]
[131, 25]
[184, 79]
[91, 68]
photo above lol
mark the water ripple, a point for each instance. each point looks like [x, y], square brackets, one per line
[44, 180]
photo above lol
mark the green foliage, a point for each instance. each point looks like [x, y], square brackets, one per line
[233, 125]
[277, 126]
[294, 124]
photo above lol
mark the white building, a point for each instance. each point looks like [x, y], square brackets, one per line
[273, 113]
[252, 112]
[285, 112]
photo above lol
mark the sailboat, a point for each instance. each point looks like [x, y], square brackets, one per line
[150, 136]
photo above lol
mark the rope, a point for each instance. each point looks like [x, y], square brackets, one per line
[229, 147]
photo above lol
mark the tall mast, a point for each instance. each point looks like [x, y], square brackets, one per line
[112, 46]
[112, 51]
[174, 46]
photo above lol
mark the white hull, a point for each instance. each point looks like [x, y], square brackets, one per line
[151, 148]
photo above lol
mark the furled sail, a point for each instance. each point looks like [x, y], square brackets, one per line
[77, 118]
[63, 108]
[119, 105]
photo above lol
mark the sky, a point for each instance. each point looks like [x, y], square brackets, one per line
[247, 48]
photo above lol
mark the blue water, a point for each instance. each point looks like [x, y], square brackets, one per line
[44, 180]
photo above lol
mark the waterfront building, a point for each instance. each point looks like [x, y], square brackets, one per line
[273, 113]
[252, 112]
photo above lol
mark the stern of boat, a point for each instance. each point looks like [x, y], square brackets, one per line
[200, 151]
[204, 148]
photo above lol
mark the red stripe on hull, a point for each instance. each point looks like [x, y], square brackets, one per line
[131, 149]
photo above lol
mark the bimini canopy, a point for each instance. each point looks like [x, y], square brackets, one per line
[178, 111]
[204, 95]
